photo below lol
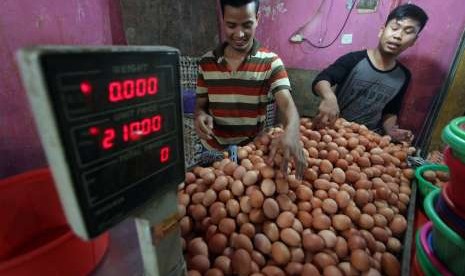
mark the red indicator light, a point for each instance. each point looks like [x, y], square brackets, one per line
[164, 154]
[86, 87]
[93, 131]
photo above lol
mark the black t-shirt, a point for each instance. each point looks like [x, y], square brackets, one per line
[365, 93]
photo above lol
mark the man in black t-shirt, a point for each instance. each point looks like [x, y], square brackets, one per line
[371, 83]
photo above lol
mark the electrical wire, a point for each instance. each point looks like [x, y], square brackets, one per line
[338, 34]
[301, 28]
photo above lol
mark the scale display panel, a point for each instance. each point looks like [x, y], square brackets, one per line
[110, 120]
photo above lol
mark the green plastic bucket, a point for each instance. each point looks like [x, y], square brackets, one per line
[427, 268]
[425, 186]
[448, 246]
[454, 135]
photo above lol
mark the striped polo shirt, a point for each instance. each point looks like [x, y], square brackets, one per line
[237, 100]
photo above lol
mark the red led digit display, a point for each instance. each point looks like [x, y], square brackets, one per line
[119, 91]
[131, 131]
[164, 154]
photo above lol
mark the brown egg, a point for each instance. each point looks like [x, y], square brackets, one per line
[341, 248]
[305, 218]
[310, 269]
[360, 260]
[398, 225]
[362, 197]
[193, 273]
[348, 269]
[322, 184]
[341, 222]
[267, 172]
[352, 176]
[280, 253]
[200, 263]
[233, 208]
[256, 199]
[304, 193]
[297, 255]
[271, 270]
[329, 238]
[244, 202]
[390, 265]
[197, 246]
[271, 208]
[285, 219]
[241, 262]
[312, 242]
[257, 216]
[322, 260]
[338, 175]
[321, 222]
[217, 243]
[332, 270]
[242, 241]
[356, 242]
[293, 268]
[284, 202]
[366, 221]
[326, 166]
[290, 237]
[394, 245]
[250, 178]
[271, 230]
[258, 258]
[248, 229]
[220, 183]
[268, 187]
[227, 226]
[224, 264]
[262, 243]
[329, 206]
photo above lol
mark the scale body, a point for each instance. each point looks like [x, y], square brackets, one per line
[110, 121]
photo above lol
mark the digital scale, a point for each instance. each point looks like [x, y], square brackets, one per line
[110, 121]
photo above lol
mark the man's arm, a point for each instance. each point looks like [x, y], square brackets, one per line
[336, 73]
[328, 111]
[203, 121]
[392, 129]
[290, 141]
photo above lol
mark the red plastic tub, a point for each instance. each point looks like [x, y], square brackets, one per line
[456, 189]
[35, 238]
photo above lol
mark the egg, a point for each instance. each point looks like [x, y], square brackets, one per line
[290, 237]
[241, 262]
[360, 260]
[280, 253]
[390, 265]
[271, 208]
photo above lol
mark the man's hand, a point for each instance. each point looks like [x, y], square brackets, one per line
[400, 135]
[328, 111]
[290, 145]
[204, 125]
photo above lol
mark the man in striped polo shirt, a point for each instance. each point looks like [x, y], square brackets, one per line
[236, 82]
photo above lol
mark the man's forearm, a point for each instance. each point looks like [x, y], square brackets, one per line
[323, 89]
[200, 106]
[389, 122]
[287, 107]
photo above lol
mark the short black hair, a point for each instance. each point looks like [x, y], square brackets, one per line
[239, 3]
[409, 11]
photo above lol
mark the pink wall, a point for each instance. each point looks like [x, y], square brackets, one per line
[429, 59]
[29, 22]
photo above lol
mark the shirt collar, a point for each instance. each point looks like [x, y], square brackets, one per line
[219, 51]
